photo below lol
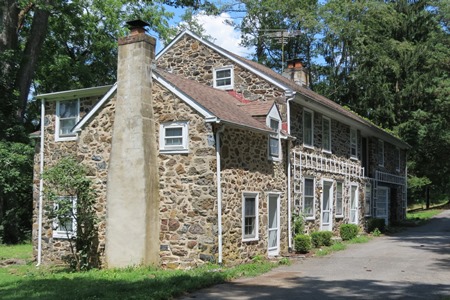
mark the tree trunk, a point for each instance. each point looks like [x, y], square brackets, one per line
[31, 53]
[9, 12]
[428, 197]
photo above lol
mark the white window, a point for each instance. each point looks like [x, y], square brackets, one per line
[308, 125]
[339, 203]
[368, 200]
[326, 134]
[353, 143]
[353, 204]
[274, 140]
[380, 153]
[173, 137]
[64, 225]
[397, 159]
[308, 198]
[224, 78]
[250, 216]
[67, 116]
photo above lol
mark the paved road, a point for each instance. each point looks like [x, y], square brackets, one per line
[414, 264]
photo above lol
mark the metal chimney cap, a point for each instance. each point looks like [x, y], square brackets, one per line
[137, 24]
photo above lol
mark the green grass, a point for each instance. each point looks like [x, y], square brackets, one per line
[16, 251]
[339, 246]
[30, 282]
[423, 214]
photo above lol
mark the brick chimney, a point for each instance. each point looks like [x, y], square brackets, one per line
[132, 219]
[296, 72]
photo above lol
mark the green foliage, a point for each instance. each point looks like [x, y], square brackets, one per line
[302, 243]
[321, 238]
[348, 231]
[69, 178]
[376, 232]
[299, 224]
[16, 196]
[423, 214]
[375, 223]
[284, 261]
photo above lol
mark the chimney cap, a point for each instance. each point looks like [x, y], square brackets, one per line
[136, 24]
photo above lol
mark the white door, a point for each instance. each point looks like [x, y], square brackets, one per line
[274, 224]
[354, 204]
[326, 222]
[382, 203]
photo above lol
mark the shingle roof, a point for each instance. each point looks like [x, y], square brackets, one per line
[219, 103]
[257, 108]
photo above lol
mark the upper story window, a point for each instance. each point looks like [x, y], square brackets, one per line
[326, 134]
[353, 143]
[64, 225]
[224, 78]
[250, 216]
[308, 128]
[173, 137]
[308, 198]
[380, 153]
[67, 116]
[274, 140]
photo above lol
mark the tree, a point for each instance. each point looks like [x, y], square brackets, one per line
[65, 181]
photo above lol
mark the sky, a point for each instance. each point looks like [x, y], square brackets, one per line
[225, 35]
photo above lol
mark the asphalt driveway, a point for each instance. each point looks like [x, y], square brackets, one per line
[414, 264]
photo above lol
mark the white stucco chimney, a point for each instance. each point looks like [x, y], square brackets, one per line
[132, 222]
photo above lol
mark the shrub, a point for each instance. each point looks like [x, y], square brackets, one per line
[348, 231]
[321, 238]
[374, 223]
[302, 243]
[299, 224]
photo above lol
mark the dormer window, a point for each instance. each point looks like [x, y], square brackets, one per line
[273, 121]
[224, 78]
[67, 115]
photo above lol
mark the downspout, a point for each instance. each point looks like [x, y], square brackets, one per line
[288, 157]
[219, 192]
[41, 184]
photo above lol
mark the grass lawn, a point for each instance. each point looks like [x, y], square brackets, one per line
[29, 282]
[423, 214]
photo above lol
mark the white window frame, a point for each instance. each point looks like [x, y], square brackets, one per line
[174, 149]
[368, 199]
[313, 196]
[255, 235]
[356, 194]
[305, 110]
[380, 152]
[328, 136]
[353, 143]
[341, 183]
[64, 234]
[65, 137]
[274, 137]
[215, 79]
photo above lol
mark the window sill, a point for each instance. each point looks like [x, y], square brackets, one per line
[308, 147]
[326, 151]
[310, 218]
[63, 236]
[65, 138]
[174, 151]
[339, 216]
[354, 158]
[225, 87]
[250, 240]
[275, 159]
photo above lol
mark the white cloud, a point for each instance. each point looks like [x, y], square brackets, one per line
[224, 34]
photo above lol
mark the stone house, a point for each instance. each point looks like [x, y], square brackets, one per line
[198, 154]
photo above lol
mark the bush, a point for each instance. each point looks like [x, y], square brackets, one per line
[321, 238]
[373, 223]
[348, 231]
[299, 224]
[302, 243]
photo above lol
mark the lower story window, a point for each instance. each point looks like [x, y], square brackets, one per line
[368, 200]
[64, 225]
[339, 206]
[308, 198]
[250, 216]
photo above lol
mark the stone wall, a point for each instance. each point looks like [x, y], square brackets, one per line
[246, 168]
[188, 211]
[196, 61]
[92, 148]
